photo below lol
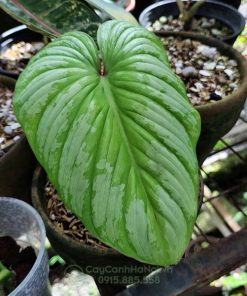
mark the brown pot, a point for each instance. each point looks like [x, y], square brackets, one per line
[219, 117]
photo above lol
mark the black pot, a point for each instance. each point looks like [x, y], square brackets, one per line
[141, 5]
[234, 3]
[226, 14]
[15, 35]
[7, 22]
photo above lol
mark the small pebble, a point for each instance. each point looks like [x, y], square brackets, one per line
[15, 125]
[163, 19]
[216, 32]
[220, 67]
[209, 52]
[232, 63]
[205, 73]
[52, 217]
[209, 66]
[7, 130]
[230, 73]
[199, 85]
[187, 43]
[189, 72]
[16, 138]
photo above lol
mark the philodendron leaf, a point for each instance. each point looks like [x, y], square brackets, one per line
[114, 130]
[54, 17]
[113, 10]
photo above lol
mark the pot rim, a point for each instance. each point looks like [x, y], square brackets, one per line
[211, 109]
[164, 2]
[8, 81]
[41, 251]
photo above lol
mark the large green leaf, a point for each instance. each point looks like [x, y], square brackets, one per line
[53, 17]
[116, 134]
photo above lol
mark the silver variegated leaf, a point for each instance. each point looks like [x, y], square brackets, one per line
[114, 130]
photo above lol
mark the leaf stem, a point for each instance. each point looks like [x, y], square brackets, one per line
[186, 15]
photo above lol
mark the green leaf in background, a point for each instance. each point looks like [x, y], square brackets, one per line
[114, 11]
[115, 132]
[54, 17]
[234, 281]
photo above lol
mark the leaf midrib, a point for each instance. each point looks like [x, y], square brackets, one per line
[115, 109]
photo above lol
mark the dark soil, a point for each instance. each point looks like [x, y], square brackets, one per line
[17, 260]
[10, 129]
[208, 76]
[15, 58]
[202, 25]
[67, 222]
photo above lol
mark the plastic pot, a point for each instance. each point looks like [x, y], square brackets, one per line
[226, 14]
[218, 117]
[141, 5]
[234, 3]
[20, 221]
[14, 35]
[7, 22]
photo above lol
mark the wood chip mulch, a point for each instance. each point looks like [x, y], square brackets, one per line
[66, 221]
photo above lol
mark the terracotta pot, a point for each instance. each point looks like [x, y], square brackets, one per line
[218, 117]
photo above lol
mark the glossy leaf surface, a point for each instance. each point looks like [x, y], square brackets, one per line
[53, 17]
[116, 134]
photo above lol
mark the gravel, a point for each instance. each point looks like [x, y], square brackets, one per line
[10, 129]
[205, 26]
[66, 221]
[208, 76]
[16, 57]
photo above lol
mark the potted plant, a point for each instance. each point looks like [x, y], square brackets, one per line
[18, 45]
[220, 116]
[212, 18]
[21, 265]
[169, 137]
[79, 15]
